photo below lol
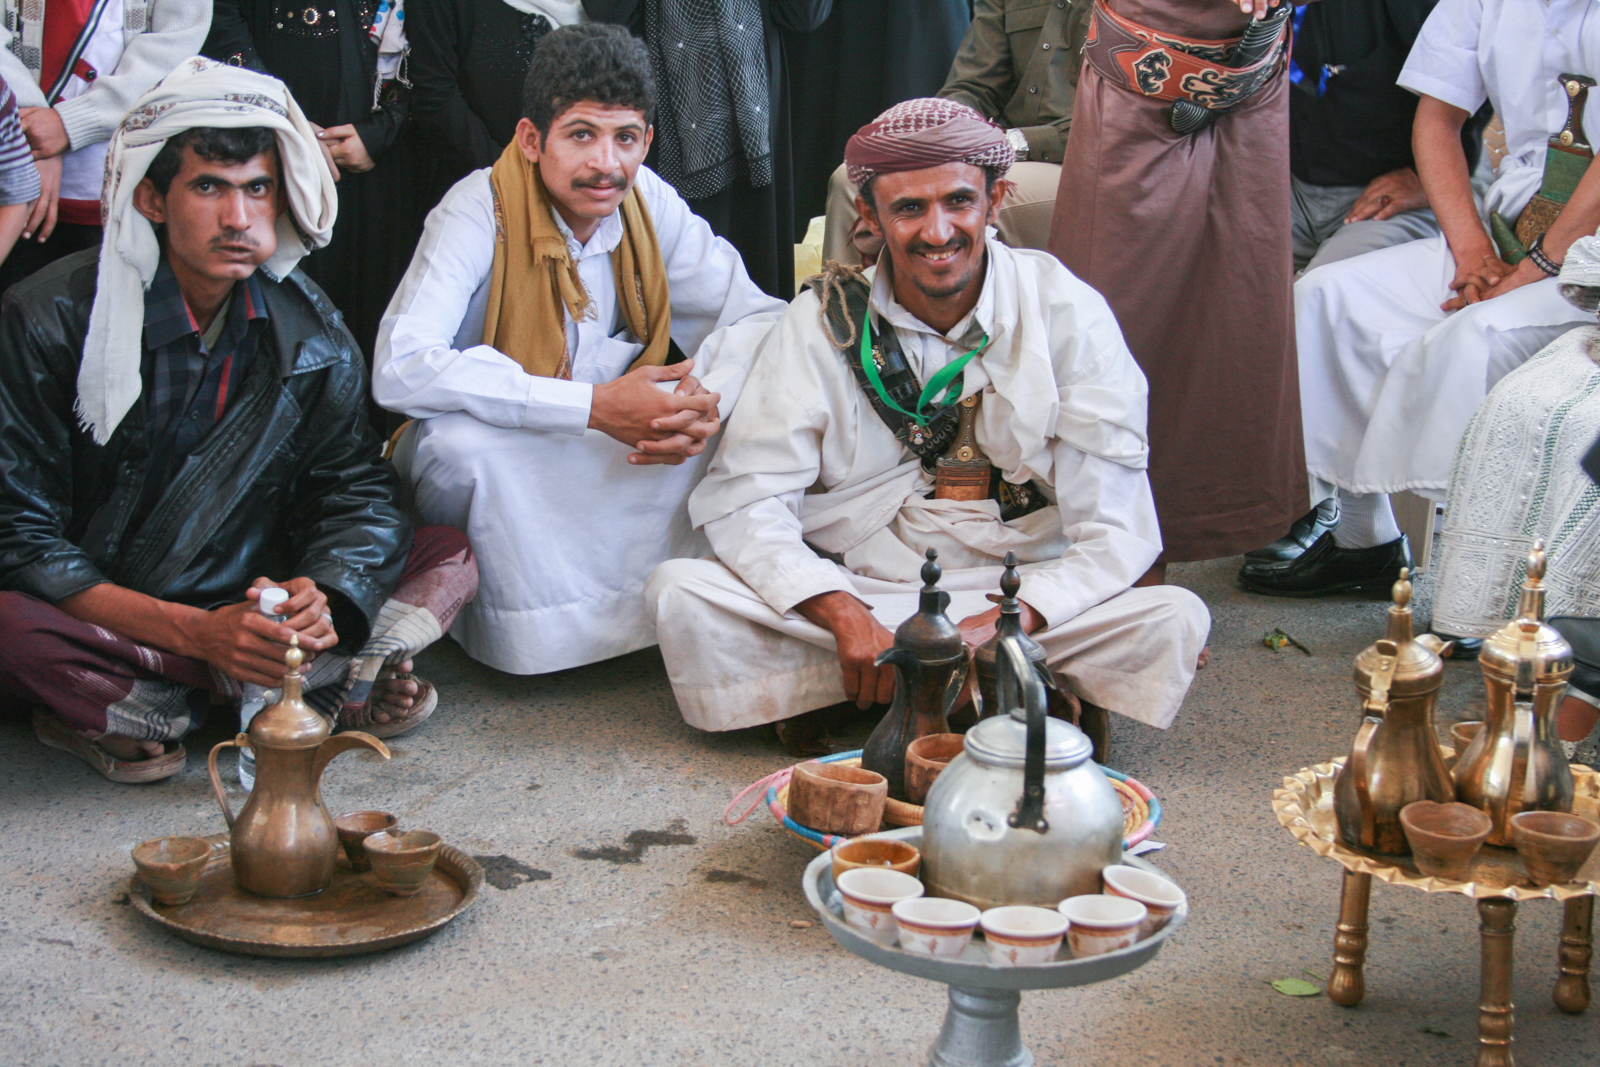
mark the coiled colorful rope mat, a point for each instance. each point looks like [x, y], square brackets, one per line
[1141, 810]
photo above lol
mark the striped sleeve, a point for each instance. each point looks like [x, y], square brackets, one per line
[19, 178]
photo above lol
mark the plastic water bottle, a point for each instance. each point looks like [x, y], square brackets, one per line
[255, 697]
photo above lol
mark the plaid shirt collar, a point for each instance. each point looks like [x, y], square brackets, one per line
[167, 317]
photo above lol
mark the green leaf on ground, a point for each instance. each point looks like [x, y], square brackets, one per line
[1312, 974]
[1295, 987]
[1434, 1030]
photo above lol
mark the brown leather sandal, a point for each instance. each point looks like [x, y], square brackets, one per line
[54, 733]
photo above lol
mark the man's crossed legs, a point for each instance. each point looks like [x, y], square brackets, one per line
[118, 704]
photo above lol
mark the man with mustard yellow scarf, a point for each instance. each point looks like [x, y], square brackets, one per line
[567, 339]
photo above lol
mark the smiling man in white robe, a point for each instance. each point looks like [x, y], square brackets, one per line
[538, 340]
[823, 497]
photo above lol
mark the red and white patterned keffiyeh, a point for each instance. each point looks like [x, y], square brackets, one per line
[926, 132]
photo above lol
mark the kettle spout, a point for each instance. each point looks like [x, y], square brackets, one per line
[898, 657]
[344, 742]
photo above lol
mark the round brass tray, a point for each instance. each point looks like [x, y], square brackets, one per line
[1304, 805]
[350, 917]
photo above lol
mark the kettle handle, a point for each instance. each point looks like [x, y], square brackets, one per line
[1359, 765]
[242, 741]
[1016, 682]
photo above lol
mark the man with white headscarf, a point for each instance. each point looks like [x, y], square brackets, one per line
[182, 427]
[823, 497]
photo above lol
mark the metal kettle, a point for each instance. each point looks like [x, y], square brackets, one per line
[930, 660]
[1395, 759]
[1022, 815]
[1516, 762]
[283, 844]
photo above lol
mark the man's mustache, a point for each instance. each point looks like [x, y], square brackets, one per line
[234, 237]
[602, 181]
[960, 243]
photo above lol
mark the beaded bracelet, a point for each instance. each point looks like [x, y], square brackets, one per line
[1536, 253]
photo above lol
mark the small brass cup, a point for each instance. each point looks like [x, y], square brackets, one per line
[170, 867]
[401, 862]
[355, 827]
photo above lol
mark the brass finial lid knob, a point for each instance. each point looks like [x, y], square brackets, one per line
[931, 571]
[1402, 589]
[294, 657]
[1527, 650]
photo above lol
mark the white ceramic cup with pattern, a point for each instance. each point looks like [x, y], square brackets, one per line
[1021, 935]
[1102, 923]
[935, 926]
[1158, 895]
[870, 894]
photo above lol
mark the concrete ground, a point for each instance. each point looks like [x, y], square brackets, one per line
[626, 924]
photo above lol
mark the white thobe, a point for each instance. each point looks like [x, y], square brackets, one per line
[807, 467]
[1388, 381]
[565, 530]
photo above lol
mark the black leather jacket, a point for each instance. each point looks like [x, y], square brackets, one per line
[290, 483]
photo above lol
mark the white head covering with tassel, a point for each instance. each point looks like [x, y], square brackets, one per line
[198, 93]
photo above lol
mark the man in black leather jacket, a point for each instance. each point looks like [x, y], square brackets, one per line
[131, 572]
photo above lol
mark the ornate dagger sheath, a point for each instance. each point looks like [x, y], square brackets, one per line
[962, 473]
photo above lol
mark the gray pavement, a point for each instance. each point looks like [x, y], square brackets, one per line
[628, 925]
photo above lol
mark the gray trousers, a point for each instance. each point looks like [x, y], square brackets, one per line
[1321, 235]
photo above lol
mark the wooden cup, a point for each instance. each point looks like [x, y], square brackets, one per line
[876, 852]
[837, 800]
[925, 758]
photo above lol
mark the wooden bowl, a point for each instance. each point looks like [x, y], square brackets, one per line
[837, 799]
[876, 852]
[401, 862]
[1553, 845]
[1444, 837]
[925, 758]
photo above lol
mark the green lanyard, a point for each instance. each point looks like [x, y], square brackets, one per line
[944, 380]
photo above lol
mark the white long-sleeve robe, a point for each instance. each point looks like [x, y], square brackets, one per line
[565, 529]
[807, 464]
[1388, 381]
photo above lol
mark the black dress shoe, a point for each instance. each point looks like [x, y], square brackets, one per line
[1325, 568]
[1302, 535]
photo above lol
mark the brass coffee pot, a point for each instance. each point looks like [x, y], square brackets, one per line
[283, 843]
[985, 658]
[930, 659]
[1395, 759]
[1516, 762]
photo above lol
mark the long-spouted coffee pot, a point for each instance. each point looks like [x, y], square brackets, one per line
[283, 844]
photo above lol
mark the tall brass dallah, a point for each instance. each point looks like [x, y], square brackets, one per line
[1516, 762]
[929, 659]
[1395, 759]
[283, 844]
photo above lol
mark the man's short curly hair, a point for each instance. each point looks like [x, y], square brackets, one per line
[600, 63]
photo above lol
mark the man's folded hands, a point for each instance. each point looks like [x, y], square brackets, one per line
[662, 426]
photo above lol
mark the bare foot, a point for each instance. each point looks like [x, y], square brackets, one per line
[127, 748]
[1203, 658]
[393, 695]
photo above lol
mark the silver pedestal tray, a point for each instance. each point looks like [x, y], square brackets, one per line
[980, 1026]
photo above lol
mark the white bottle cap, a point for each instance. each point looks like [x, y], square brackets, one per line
[272, 598]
